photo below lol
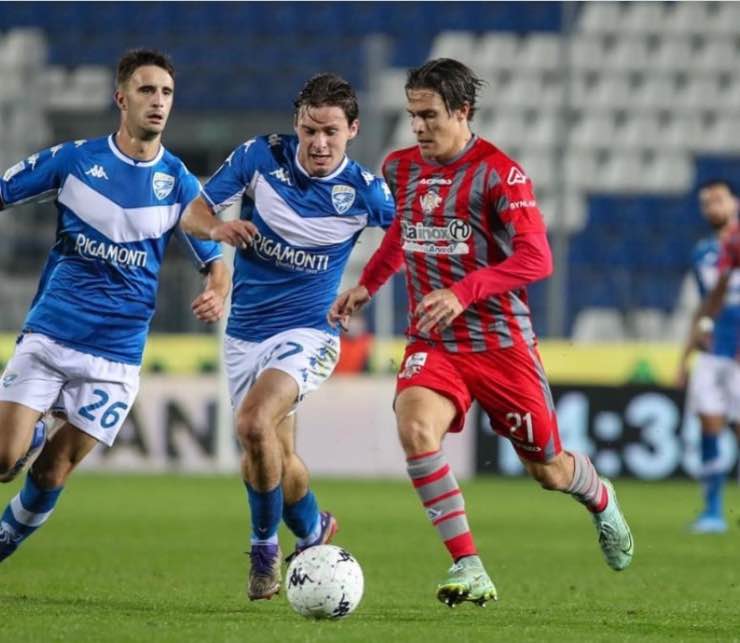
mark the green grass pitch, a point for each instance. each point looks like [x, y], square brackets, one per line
[161, 558]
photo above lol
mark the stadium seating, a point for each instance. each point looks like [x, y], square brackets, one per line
[644, 114]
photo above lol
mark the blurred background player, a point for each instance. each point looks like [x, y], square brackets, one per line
[714, 384]
[472, 237]
[119, 199]
[304, 205]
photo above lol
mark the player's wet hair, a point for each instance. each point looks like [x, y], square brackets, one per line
[454, 82]
[718, 183]
[135, 58]
[328, 90]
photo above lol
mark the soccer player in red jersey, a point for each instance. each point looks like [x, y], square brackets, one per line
[472, 237]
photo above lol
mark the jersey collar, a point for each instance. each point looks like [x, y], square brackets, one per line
[131, 161]
[333, 175]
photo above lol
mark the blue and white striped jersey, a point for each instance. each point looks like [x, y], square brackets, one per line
[726, 337]
[307, 226]
[98, 290]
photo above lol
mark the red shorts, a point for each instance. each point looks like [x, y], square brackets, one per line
[509, 384]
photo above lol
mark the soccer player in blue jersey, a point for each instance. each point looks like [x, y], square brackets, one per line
[714, 384]
[119, 201]
[303, 206]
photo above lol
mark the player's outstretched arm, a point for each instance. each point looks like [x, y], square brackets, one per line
[209, 306]
[198, 220]
[347, 303]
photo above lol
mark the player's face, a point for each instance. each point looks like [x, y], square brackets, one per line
[145, 101]
[718, 205]
[323, 134]
[441, 135]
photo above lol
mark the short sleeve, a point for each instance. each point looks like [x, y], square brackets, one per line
[382, 205]
[234, 176]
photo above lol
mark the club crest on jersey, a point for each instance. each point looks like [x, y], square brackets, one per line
[414, 363]
[430, 201]
[162, 184]
[342, 198]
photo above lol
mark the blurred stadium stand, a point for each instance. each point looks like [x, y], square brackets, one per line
[617, 111]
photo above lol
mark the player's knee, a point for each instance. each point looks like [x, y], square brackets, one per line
[416, 435]
[7, 462]
[254, 428]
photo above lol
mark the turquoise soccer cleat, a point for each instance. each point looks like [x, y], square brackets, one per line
[615, 537]
[467, 580]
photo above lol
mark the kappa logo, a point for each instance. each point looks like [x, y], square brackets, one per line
[32, 160]
[342, 198]
[367, 177]
[97, 172]
[281, 175]
[12, 171]
[162, 184]
[9, 378]
[433, 513]
[55, 149]
[516, 176]
[430, 201]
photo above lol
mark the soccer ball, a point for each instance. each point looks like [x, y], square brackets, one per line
[324, 582]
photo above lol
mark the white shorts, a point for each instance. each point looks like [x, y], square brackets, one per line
[95, 394]
[306, 354]
[714, 387]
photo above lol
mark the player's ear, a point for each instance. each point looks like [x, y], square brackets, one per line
[120, 99]
[354, 129]
[463, 113]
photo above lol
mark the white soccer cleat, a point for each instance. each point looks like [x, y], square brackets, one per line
[615, 537]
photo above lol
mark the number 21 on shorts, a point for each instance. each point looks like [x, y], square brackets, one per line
[517, 420]
[107, 417]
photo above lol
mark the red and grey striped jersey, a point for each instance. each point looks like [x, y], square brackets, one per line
[729, 257]
[471, 225]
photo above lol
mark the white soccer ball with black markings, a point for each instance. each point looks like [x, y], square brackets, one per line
[324, 582]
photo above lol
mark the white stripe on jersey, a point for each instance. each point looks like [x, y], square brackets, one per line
[120, 225]
[306, 232]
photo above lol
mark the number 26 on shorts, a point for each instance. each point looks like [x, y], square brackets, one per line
[108, 417]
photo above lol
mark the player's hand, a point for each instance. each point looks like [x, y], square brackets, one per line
[209, 306]
[437, 310]
[239, 234]
[347, 303]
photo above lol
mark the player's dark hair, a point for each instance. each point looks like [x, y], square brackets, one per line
[717, 183]
[135, 58]
[454, 82]
[328, 90]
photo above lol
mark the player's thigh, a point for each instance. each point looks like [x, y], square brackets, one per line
[29, 386]
[17, 423]
[268, 402]
[98, 400]
[306, 355]
[706, 394]
[431, 395]
[66, 448]
[34, 375]
[511, 387]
